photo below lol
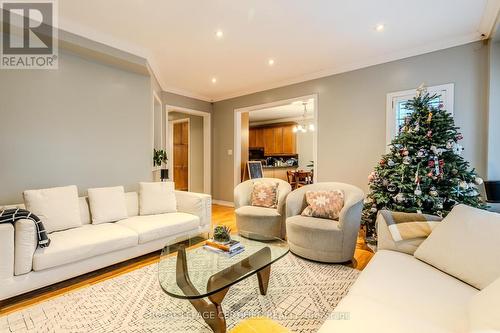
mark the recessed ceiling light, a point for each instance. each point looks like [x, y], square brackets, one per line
[270, 62]
[214, 80]
[380, 27]
[219, 34]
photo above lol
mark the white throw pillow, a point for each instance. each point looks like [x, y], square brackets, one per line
[157, 198]
[58, 208]
[107, 204]
[465, 245]
[484, 309]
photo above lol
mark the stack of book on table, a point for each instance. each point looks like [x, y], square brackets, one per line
[229, 249]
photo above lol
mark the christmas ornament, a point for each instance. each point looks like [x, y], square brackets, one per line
[450, 144]
[463, 184]
[429, 134]
[406, 160]
[373, 209]
[441, 105]
[400, 197]
[439, 205]
[404, 152]
[418, 190]
[457, 149]
[472, 193]
[382, 162]
[391, 188]
[478, 181]
[390, 162]
[421, 153]
[429, 117]
[433, 192]
[457, 191]
[459, 137]
[417, 128]
[385, 182]
[372, 176]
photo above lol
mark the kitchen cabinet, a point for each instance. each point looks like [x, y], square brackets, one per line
[277, 139]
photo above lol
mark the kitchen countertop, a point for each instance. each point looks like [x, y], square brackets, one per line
[279, 167]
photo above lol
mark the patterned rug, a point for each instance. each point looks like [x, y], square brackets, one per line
[300, 296]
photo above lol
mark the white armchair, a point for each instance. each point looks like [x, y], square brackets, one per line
[259, 222]
[322, 239]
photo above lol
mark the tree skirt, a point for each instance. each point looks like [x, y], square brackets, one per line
[300, 296]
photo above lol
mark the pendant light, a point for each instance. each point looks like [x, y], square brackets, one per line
[303, 126]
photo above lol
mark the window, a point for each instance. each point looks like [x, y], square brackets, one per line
[396, 102]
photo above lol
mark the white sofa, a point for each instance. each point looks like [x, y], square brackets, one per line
[397, 292]
[75, 251]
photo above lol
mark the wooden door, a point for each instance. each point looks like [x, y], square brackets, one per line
[278, 140]
[289, 140]
[268, 135]
[181, 155]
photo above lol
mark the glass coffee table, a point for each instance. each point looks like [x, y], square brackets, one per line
[203, 277]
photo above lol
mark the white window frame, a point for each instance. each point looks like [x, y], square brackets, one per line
[445, 90]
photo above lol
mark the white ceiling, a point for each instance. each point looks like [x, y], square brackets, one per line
[307, 39]
[287, 112]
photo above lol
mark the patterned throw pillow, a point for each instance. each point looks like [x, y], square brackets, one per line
[324, 204]
[265, 195]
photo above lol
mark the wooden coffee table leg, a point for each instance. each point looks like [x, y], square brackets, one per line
[210, 311]
[263, 276]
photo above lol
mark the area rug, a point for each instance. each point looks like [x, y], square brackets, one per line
[301, 295]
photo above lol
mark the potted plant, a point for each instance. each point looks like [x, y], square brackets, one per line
[222, 234]
[159, 159]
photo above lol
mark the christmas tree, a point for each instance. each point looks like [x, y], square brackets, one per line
[424, 171]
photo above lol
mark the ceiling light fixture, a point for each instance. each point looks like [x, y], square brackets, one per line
[214, 80]
[303, 126]
[219, 34]
[270, 62]
[380, 27]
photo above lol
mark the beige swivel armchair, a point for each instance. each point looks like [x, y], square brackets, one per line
[322, 239]
[259, 222]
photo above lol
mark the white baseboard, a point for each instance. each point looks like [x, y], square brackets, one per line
[223, 203]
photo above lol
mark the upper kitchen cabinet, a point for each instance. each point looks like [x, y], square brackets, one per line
[277, 139]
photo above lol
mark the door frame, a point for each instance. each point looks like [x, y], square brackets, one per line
[207, 146]
[171, 146]
[237, 131]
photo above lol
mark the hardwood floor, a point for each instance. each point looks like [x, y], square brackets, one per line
[221, 215]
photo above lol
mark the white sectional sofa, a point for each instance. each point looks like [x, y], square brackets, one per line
[75, 251]
[403, 291]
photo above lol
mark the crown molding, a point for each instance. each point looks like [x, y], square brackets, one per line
[489, 19]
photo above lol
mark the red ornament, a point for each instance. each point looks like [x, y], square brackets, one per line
[431, 164]
[459, 137]
[382, 162]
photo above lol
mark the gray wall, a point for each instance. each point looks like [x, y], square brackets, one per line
[87, 124]
[352, 108]
[195, 149]
[494, 113]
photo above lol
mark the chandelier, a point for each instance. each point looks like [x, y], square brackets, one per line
[303, 125]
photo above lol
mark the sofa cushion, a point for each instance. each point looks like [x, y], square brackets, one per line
[84, 210]
[107, 204]
[132, 200]
[257, 211]
[81, 243]
[484, 309]
[151, 227]
[58, 208]
[264, 194]
[356, 314]
[465, 245]
[402, 283]
[157, 198]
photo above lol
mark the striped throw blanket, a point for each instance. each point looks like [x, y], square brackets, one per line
[14, 214]
[409, 225]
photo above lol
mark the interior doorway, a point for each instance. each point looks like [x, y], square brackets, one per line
[189, 148]
[180, 157]
[282, 135]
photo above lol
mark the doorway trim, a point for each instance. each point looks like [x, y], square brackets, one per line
[171, 146]
[207, 146]
[237, 131]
